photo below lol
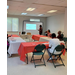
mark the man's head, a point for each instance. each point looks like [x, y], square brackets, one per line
[53, 35]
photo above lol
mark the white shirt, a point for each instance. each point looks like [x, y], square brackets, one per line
[53, 43]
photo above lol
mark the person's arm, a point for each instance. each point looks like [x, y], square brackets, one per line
[58, 36]
[39, 29]
[50, 45]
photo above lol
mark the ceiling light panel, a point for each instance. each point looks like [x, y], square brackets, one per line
[30, 9]
[52, 11]
[40, 14]
[23, 13]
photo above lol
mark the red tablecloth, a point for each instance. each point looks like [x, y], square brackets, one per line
[13, 36]
[64, 51]
[28, 47]
[37, 37]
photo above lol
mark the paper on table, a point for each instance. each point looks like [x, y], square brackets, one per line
[33, 44]
[45, 43]
[13, 39]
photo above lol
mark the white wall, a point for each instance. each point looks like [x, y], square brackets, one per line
[21, 18]
[65, 25]
[55, 23]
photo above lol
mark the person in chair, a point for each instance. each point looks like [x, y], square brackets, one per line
[52, 44]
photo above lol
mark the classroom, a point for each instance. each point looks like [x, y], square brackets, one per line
[36, 37]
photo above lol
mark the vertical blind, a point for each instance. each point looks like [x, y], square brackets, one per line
[12, 24]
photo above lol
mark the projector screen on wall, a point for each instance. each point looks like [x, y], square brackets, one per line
[30, 26]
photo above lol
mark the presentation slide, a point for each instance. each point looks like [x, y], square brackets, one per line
[30, 26]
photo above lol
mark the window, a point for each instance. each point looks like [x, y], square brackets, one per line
[12, 24]
[37, 20]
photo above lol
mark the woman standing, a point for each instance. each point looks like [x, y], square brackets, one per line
[40, 30]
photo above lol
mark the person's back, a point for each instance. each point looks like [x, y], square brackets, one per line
[53, 43]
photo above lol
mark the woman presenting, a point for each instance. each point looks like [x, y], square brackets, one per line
[40, 30]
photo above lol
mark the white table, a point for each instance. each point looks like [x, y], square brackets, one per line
[44, 39]
[14, 44]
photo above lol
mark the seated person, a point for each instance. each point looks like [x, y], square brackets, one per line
[7, 42]
[48, 33]
[8, 36]
[60, 37]
[52, 44]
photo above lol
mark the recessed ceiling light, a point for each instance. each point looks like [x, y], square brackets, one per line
[23, 13]
[7, 7]
[30, 9]
[40, 14]
[51, 11]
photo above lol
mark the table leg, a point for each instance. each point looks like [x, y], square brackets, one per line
[10, 55]
[27, 58]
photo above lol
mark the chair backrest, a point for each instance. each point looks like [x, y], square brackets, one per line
[40, 47]
[28, 33]
[59, 47]
[62, 35]
[65, 39]
[23, 32]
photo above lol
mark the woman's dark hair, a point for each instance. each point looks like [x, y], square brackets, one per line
[40, 25]
[53, 35]
[48, 30]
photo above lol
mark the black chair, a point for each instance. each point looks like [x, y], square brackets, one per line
[65, 39]
[23, 32]
[38, 50]
[58, 48]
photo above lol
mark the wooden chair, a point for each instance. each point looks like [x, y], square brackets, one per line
[28, 33]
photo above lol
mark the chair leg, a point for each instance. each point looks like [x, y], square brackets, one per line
[53, 63]
[27, 58]
[31, 58]
[34, 61]
[49, 57]
[44, 61]
[62, 61]
[59, 64]
[41, 57]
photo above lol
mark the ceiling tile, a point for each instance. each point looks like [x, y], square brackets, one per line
[16, 7]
